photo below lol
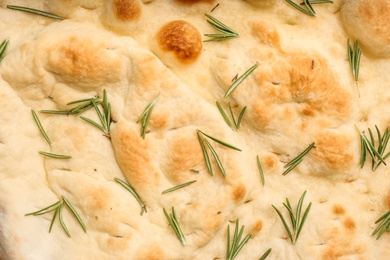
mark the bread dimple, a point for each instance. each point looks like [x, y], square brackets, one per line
[368, 22]
[182, 39]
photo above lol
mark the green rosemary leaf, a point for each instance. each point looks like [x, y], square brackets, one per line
[260, 170]
[354, 56]
[134, 193]
[225, 117]
[57, 207]
[225, 31]
[54, 218]
[175, 225]
[84, 106]
[35, 11]
[299, 209]
[219, 25]
[101, 116]
[55, 156]
[178, 187]
[240, 118]
[93, 123]
[368, 146]
[240, 79]
[302, 222]
[205, 154]
[44, 210]
[75, 214]
[294, 162]
[287, 205]
[384, 225]
[308, 11]
[236, 245]
[84, 100]
[55, 112]
[232, 115]
[215, 155]
[146, 115]
[297, 221]
[3, 48]
[266, 254]
[62, 221]
[220, 142]
[38, 122]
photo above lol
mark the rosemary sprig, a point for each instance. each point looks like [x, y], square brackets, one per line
[297, 160]
[3, 48]
[178, 187]
[367, 146]
[172, 219]
[309, 10]
[105, 117]
[308, 7]
[234, 247]
[266, 254]
[225, 31]
[134, 193]
[83, 105]
[38, 122]
[35, 11]
[57, 208]
[260, 170]
[236, 123]
[145, 116]
[296, 221]
[55, 156]
[240, 79]
[384, 225]
[354, 54]
[204, 142]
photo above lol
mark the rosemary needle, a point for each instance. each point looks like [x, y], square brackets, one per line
[240, 79]
[384, 225]
[57, 208]
[38, 122]
[266, 254]
[236, 123]
[260, 170]
[296, 221]
[56, 156]
[134, 193]
[3, 48]
[354, 54]
[145, 116]
[294, 162]
[35, 11]
[234, 247]
[225, 31]
[204, 142]
[178, 187]
[172, 219]
[105, 117]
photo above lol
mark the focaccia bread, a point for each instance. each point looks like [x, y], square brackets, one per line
[131, 55]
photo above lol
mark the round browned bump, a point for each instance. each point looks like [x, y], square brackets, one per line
[126, 10]
[181, 38]
[368, 21]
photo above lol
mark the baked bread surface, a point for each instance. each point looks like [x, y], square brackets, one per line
[302, 92]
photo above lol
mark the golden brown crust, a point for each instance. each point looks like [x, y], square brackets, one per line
[127, 10]
[181, 38]
[367, 21]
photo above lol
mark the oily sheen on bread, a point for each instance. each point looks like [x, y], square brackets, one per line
[301, 92]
